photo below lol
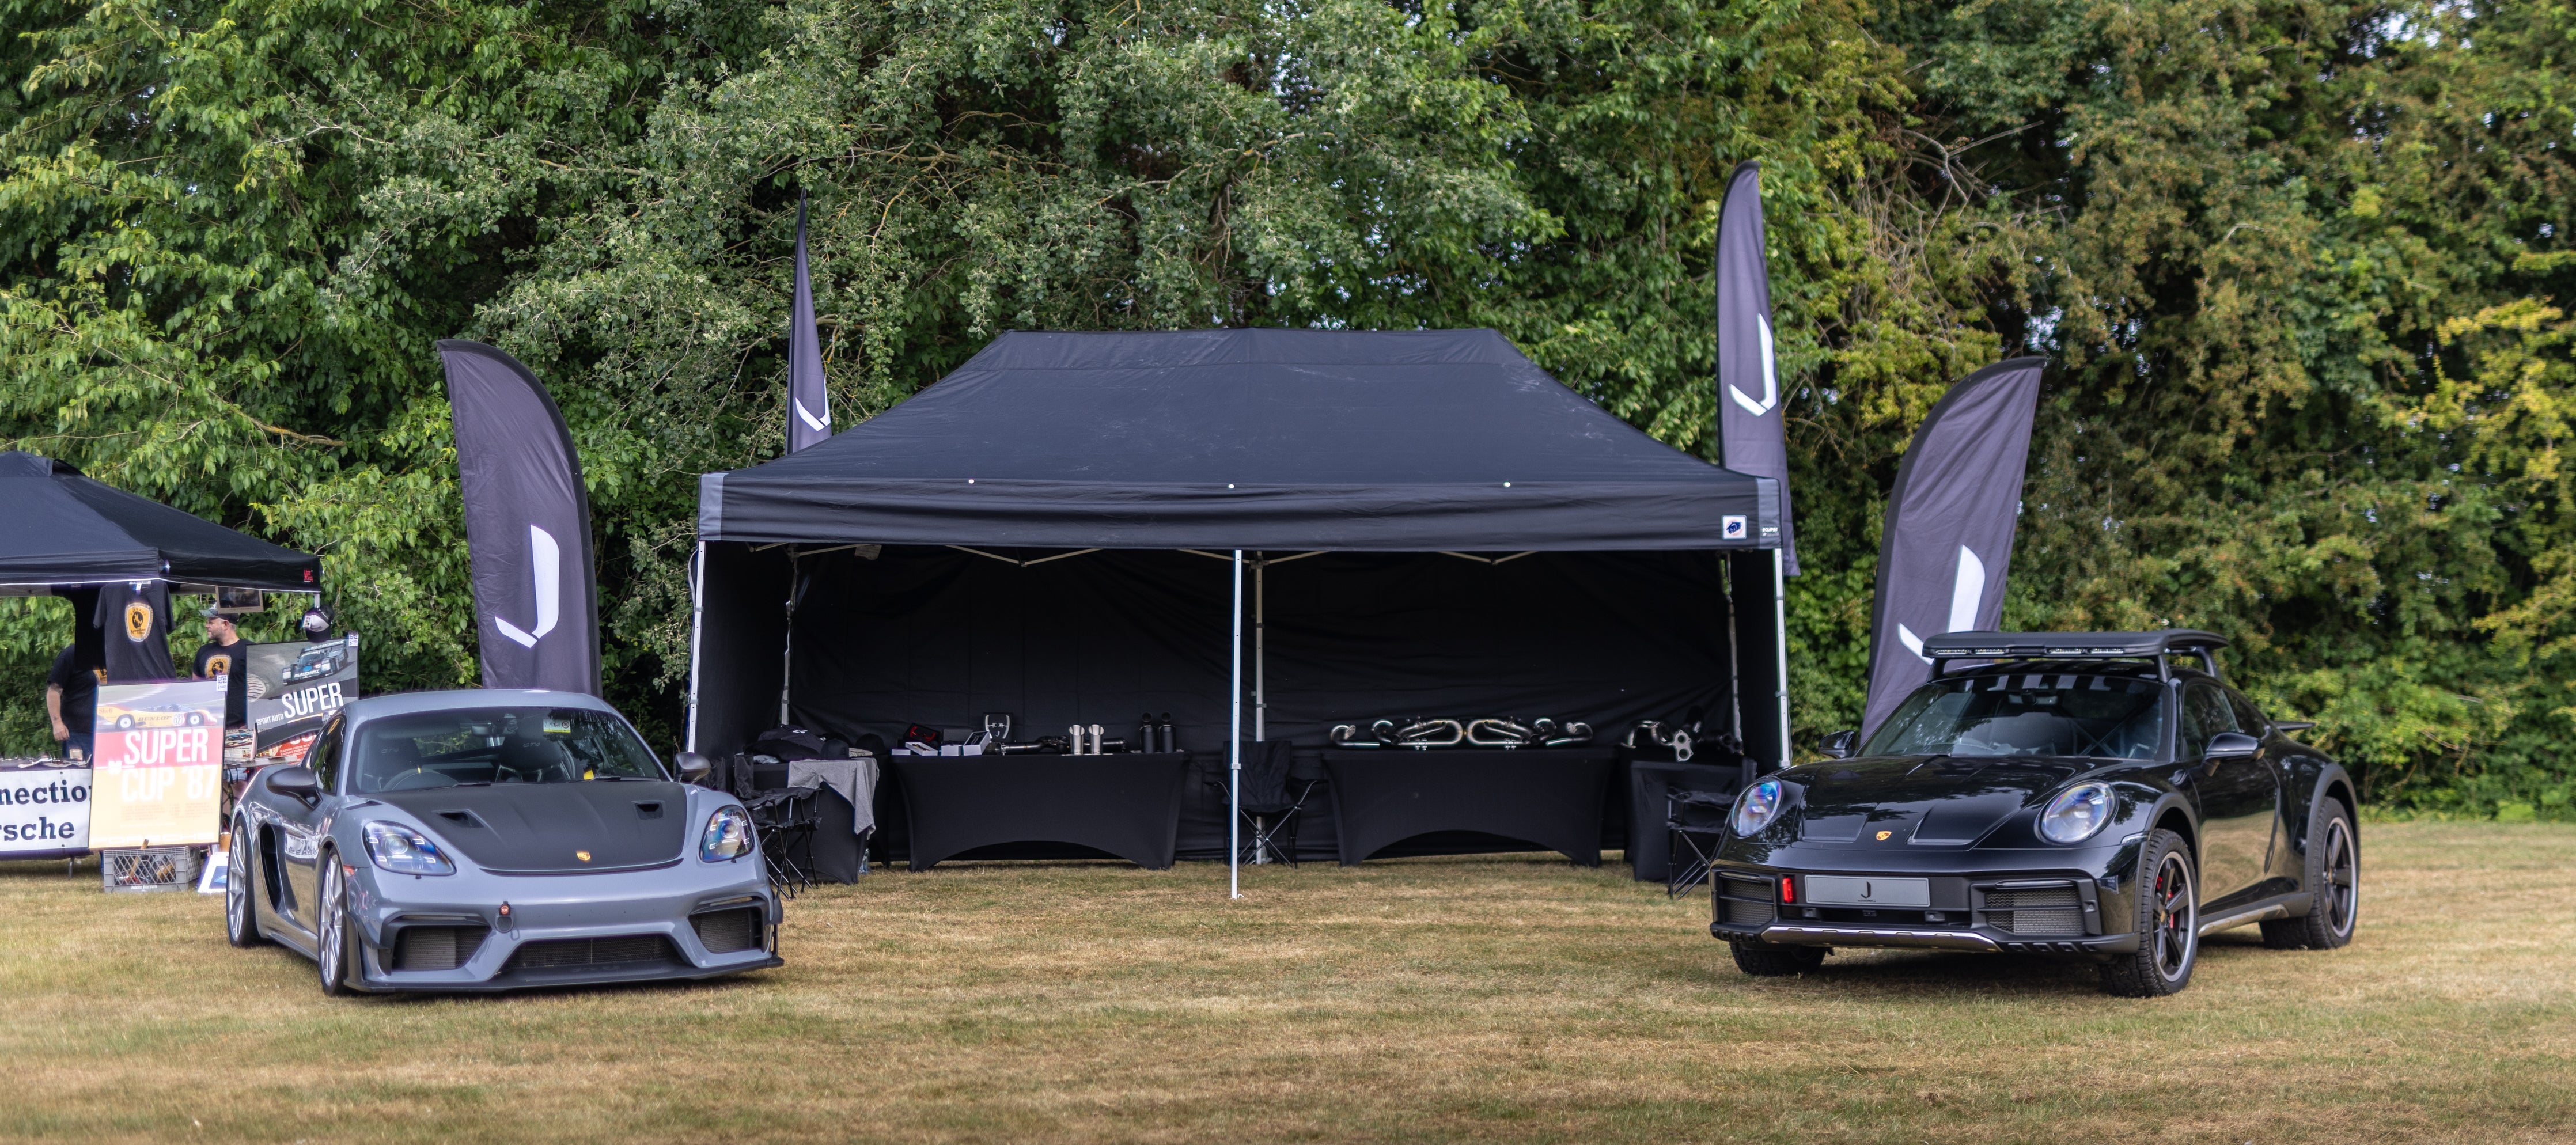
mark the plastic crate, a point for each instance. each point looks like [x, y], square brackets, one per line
[148, 869]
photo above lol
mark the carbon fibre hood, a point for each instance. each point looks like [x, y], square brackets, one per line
[1930, 799]
[549, 828]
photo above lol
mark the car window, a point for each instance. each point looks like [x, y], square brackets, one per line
[324, 759]
[498, 745]
[2103, 717]
[2249, 719]
[2204, 714]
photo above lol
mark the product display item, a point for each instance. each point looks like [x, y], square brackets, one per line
[1421, 734]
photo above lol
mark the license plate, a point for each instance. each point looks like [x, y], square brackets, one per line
[1850, 890]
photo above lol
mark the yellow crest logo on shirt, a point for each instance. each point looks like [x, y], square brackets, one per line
[138, 621]
[219, 665]
[584, 856]
[1882, 836]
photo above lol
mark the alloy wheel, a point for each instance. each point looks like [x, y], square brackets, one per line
[2342, 877]
[328, 946]
[237, 890]
[2176, 917]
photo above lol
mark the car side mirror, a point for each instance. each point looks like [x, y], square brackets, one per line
[2232, 745]
[298, 782]
[1841, 744]
[693, 767]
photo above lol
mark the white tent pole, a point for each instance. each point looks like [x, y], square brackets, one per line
[1234, 751]
[697, 623]
[1780, 646]
[1260, 654]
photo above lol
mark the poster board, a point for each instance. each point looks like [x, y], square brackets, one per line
[157, 773]
[293, 689]
[44, 808]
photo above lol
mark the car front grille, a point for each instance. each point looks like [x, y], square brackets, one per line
[727, 931]
[624, 948]
[2043, 911]
[1745, 902]
[436, 947]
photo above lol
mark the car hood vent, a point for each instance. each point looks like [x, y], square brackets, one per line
[548, 828]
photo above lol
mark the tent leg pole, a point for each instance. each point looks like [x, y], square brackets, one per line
[697, 625]
[1261, 655]
[1234, 750]
[1780, 646]
[787, 649]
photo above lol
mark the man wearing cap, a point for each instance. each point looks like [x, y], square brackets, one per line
[222, 656]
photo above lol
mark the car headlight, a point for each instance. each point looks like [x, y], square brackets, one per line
[728, 835]
[404, 851]
[1757, 807]
[2078, 813]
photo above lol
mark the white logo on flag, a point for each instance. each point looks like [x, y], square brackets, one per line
[545, 562]
[1770, 381]
[1732, 527]
[1967, 587]
[818, 425]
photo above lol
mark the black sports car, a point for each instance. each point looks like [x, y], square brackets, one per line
[2073, 793]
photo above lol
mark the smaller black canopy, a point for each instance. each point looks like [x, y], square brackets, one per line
[1425, 440]
[60, 528]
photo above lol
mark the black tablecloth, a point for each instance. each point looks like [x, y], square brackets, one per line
[1650, 845]
[1547, 796]
[1128, 805]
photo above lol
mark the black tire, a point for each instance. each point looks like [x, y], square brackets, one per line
[1772, 960]
[2167, 924]
[2334, 875]
[241, 912]
[335, 945]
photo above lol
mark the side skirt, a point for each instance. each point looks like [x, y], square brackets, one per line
[2284, 906]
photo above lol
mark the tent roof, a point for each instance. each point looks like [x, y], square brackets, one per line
[1259, 439]
[62, 529]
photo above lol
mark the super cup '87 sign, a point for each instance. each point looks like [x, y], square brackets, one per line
[158, 771]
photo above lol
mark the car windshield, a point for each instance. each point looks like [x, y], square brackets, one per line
[498, 745]
[2102, 717]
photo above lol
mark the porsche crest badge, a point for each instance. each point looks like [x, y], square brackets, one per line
[138, 621]
[584, 856]
[1882, 836]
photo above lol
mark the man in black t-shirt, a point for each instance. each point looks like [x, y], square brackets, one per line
[71, 698]
[222, 656]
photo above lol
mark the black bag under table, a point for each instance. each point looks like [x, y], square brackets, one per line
[1128, 805]
[1547, 796]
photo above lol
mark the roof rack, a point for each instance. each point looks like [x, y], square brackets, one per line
[2158, 646]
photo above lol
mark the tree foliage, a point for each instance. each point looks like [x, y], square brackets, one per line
[2296, 263]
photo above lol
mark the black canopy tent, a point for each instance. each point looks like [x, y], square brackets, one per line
[66, 530]
[1032, 535]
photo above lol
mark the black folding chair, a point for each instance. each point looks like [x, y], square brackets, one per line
[786, 817]
[1272, 802]
[1697, 823]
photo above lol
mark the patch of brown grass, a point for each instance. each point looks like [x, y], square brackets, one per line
[1494, 1000]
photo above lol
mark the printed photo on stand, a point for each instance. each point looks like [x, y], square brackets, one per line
[293, 688]
[159, 764]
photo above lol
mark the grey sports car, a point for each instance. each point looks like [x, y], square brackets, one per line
[495, 840]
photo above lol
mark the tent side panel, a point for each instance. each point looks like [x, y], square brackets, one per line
[740, 640]
[1757, 656]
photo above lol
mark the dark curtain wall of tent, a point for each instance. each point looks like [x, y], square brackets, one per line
[938, 636]
[742, 631]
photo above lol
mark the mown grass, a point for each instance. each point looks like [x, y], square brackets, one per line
[1490, 1000]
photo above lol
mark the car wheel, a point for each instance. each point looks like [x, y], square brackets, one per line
[125, 723]
[2334, 876]
[241, 925]
[196, 719]
[2168, 924]
[335, 948]
[1773, 960]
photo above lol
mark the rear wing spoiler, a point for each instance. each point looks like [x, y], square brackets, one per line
[2160, 646]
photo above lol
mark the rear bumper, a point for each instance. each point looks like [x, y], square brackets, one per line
[1971, 941]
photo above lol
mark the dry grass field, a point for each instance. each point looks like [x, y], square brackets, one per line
[1489, 1000]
